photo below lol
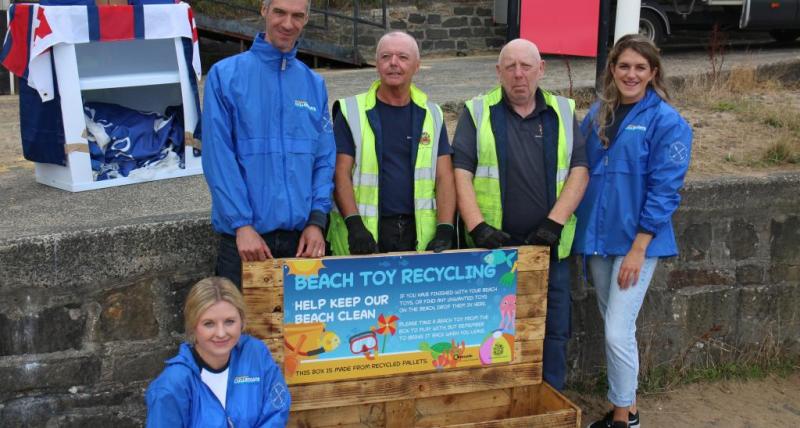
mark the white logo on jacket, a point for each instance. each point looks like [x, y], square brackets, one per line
[633, 127]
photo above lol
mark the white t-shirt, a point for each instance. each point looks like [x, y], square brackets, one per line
[218, 382]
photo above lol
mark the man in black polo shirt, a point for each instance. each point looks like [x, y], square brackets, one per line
[520, 174]
[394, 174]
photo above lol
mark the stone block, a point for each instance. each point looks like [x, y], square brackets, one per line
[455, 22]
[435, 34]
[444, 44]
[710, 312]
[28, 263]
[434, 19]
[398, 25]
[770, 314]
[495, 42]
[417, 34]
[482, 11]
[106, 418]
[127, 313]
[742, 240]
[482, 32]
[46, 410]
[475, 22]
[46, 330]
[749, 275]
[780, 273]
[463, 10]
[142, 366]
[784, 238]
[416, 18]
[29, 374]
[460, 32]
[367, 41]
[426, 45]
[682, 278]
[461, 45]
[88, 258]
[695, 241]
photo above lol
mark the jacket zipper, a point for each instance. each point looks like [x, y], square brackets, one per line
[281, 136]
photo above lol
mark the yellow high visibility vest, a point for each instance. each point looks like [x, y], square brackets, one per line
[487, 175]
[365, 169]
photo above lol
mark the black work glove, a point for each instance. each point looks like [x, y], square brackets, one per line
[443, 240]
[486, 236]
[548, 233]
[359, 239]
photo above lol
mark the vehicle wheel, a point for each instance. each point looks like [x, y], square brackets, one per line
[785, 36]
[651, 26]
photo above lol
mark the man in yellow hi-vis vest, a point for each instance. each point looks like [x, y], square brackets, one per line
[521, 170]
[394, 185]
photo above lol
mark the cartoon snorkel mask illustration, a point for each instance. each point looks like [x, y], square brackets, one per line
[364, 343]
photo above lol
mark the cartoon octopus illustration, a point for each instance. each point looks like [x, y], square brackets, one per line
[508, 311]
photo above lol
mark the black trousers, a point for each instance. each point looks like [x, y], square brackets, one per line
[281, 243]
[397, 233]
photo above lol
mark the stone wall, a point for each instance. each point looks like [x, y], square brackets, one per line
[87, 317]
[440, 27]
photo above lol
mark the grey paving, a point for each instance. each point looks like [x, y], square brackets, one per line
[29, 209]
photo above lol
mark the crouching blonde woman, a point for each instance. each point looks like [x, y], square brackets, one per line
[638, 148]
[220, 377]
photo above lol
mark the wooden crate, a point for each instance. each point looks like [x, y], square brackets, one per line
[507, 395]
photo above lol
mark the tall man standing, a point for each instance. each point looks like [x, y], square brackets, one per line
[268, 149]
[394, 173]
[520, 168]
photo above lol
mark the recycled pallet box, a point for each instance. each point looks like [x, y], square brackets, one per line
[505, 395]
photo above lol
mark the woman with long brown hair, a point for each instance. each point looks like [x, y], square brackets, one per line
[638, 148]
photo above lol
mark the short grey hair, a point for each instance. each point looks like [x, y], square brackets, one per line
[266, 4]
[393, 34]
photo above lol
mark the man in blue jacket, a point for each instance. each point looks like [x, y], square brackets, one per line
[268, 148]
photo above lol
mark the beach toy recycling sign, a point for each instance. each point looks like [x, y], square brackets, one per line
[348, 318]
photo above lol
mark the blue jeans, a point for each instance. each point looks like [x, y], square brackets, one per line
[619, 309]
[281, 243]
[558, 325]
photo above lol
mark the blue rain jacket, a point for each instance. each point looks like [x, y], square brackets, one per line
[268, 147]
[257, 395]
[633, 186]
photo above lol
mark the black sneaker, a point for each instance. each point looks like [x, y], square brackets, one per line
[608, 422]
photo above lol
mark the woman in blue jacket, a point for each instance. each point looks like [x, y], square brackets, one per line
[221, 378]
[638, 148]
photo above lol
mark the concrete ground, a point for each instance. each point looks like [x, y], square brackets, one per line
[29, 209]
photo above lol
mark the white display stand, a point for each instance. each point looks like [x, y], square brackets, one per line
[146, 75]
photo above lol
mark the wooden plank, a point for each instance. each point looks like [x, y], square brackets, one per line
[263, 300]
[530, 329]
[463, 402]
[532, 306]
[266, 274]
[335, 394]
[522, 401]
[560, 419]
[266, 326]
[462, 417]
[364, 416]
[532, 282]
[533, 258]
[400, 413]
[548, 399]
[530, 351]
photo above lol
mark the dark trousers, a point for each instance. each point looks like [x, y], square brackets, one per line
[281, 243]
[397, 233]
[558, 324]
